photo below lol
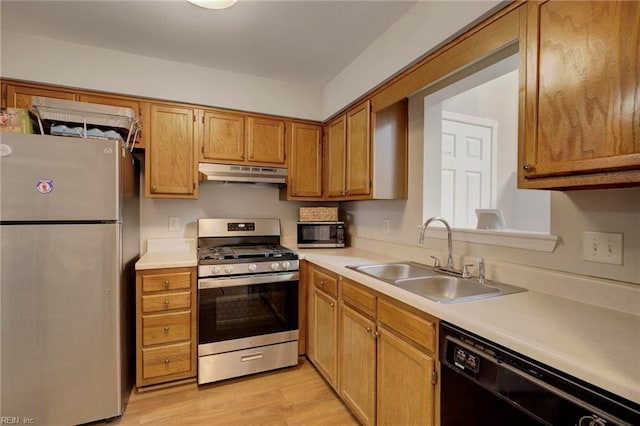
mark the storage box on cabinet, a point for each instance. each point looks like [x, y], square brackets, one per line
[165, 325]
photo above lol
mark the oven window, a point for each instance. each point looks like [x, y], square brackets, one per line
[229, 313]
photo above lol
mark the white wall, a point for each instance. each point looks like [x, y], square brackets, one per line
[44, 60]
[423, 27]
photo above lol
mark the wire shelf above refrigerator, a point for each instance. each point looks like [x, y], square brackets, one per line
[86, 120]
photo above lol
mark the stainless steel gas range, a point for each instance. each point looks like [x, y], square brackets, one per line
[247, 299]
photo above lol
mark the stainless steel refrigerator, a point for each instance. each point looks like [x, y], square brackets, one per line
[69, 221]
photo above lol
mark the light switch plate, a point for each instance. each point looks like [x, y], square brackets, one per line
[602, 247]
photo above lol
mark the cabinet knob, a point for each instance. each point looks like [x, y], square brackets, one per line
[527, 168]
[166, 361]
[322, 283]
[166, 283]
[331, 304]
[166, 302]
[368, 329]
[166, 329]
[153, 188]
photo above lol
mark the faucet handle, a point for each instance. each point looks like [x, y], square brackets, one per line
[481, 277]
[436, 262]
[465, 271]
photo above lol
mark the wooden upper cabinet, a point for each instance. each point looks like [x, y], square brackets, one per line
[582, 98]
[335, 157]
[17, 96]
[358, 170]
[266, 140]
[305, 161]
[171, 157]
[223, 137]
[134, 104]
[348, 154]
[236, 138]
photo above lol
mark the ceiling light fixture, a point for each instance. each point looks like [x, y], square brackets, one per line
[213, 4]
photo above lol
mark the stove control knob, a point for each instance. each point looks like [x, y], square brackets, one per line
[253, 267]
[275, 266]
[228, 269]
[215, 270]
[285, 265]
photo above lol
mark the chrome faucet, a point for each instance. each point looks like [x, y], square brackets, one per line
[446, 225]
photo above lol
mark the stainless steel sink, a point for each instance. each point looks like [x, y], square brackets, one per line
[392, 272]
[446, 289]
[439, 287]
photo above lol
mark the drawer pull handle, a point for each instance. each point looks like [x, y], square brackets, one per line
[251, 357]
[322, 283]
[166, 361]
[166, 283]
[166, 302]
[166, 329]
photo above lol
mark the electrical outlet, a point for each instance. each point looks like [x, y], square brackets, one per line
[174, 223]
[602, 247]
[386, 226]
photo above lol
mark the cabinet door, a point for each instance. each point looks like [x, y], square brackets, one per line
[324, 323]
[358, 170]
[20, 96]
[405, 391]
[123, 103]
[358, 364]
[265, 140]
[305, 161]
[171, 169]
[582, 90]
[223, 137]
[335, 155]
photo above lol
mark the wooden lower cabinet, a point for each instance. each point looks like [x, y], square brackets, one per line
[165, 325]
[358, 364]
[384, 352]
[405, 393]
[323, 332]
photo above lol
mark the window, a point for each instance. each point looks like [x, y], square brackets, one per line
[470, 151]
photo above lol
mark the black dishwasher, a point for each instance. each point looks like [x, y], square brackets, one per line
[483, 383]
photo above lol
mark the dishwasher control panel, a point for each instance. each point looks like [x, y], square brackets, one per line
[466, 360]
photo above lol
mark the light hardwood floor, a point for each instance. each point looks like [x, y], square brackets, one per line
[291, 396]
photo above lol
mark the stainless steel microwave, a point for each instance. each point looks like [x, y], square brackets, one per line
[321, 234]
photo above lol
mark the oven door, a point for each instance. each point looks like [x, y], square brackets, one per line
[245, 311]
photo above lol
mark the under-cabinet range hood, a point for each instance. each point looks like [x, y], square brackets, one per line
[242, 173]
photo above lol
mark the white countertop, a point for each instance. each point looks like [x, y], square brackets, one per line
[169, 253]
[600, 346]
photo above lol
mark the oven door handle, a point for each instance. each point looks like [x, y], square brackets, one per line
[206, 283]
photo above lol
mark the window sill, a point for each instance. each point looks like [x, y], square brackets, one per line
[535, 241]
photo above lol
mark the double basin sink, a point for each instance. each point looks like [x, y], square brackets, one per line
[434, 285]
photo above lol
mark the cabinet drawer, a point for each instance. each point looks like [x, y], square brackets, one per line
[166, 328]
[177, 281]
[166, 302]
[358, 298]
[411, 326]
[166, 360]
[325, 282]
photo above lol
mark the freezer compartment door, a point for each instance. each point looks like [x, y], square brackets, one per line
[60, 322]
[58, 178]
